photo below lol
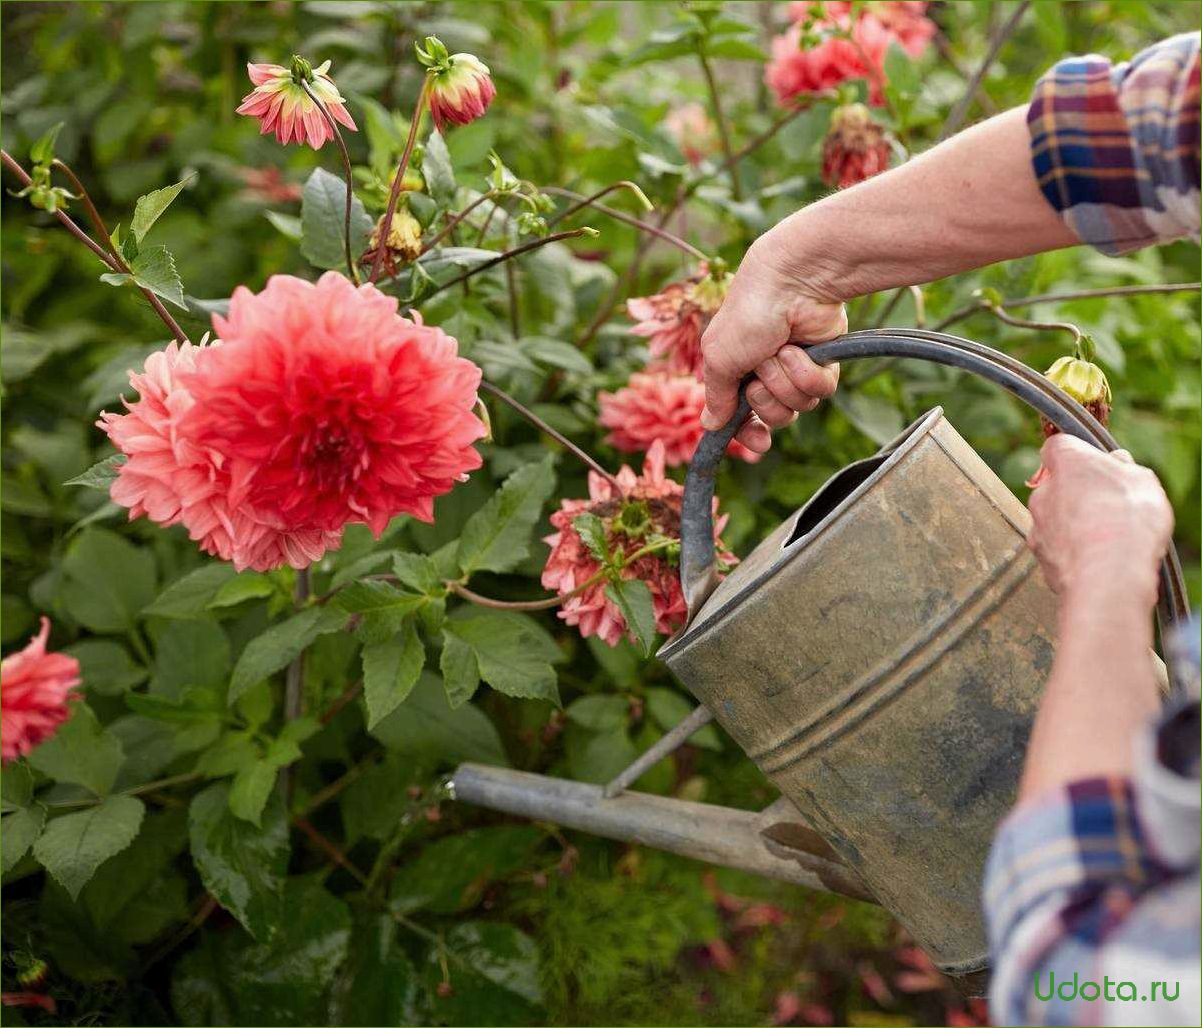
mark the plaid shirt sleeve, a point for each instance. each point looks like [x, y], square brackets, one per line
[1098, 883]
[1115, 146]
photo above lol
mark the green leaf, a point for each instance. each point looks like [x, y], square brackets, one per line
[242, 865]
[591, 530]
[557, 354]
[106, 666]
[108, 580]
[390, 671]
[189, 596]
[634, 601]
[378, 983]
[437, 169]
[249, 585]
[382, 607]
[734, 49]
[901, 71]
[323, 213]
[16, 786]
[280, 645]
[420, 572]
[81, 752]
[196, 704]
[73, 846]
[514, 655]
[42, 151]
[151, 206]
[427, 727]
[283, 981]
[460, 670]
[497, 536]
[605, 713]
[289, 225]
[668, 708]
[191, 653]
[251, 789]
[100, 475]
[152, 269]
[19, 831]
[495, 978]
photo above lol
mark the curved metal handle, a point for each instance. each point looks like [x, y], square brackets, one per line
[697, 569]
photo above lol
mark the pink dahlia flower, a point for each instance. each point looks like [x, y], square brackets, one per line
[325, 406]
[460, 92]
[647, 507]
[171, 480]
[674, 319]
[283, 107]
[660, 406]
[693, 132]
[855, 147]
[35, 688]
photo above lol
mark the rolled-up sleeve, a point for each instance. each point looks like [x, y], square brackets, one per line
[1115, 147]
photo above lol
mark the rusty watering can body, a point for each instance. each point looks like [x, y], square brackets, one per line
[880, 656]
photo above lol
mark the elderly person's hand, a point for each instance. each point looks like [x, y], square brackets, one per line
[1101, 525]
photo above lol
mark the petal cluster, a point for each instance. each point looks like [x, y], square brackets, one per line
[283, 107]
[460, 92]
[852, 45]
[657, 500]
[693, 131]
[320, 406]
[660, 406]
[35, 689]
[855, 147]
[674, 319]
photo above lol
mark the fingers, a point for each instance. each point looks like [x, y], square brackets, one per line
[721, 395]
[1061, 449]
[770, 410]
[755, 435]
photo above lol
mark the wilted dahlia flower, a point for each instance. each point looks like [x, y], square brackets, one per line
[404, 240]
[171, 480]
[693, 132]
[646, 509]
[855, 147]
[35, 687]
[283, 107]
[674, 319]
[660, 406]
[460, 87]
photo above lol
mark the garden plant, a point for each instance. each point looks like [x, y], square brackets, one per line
[351, 366]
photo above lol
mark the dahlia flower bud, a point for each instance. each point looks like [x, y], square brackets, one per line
[460, 87]
[283, 106]
[1086, 383]
[855, 147]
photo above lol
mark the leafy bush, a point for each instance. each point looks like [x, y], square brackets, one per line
[244, 820]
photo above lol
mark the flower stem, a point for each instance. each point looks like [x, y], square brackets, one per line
[455, 219]
[627, 219]
[542, 426]
[398, 180]
[731, 164]
[591, 200]
[517, 251]
[346, 174]
[462, 591]
[1054, 326]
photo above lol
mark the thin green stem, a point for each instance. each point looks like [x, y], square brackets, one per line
[398, 180]
[517, 251]
[736, 188]
[455, 219]
[591, 200]
[347, 175]
[626, 219]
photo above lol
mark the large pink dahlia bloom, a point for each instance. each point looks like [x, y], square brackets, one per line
[658, 405]
[283, 107]
[646, 507]
[35, 687]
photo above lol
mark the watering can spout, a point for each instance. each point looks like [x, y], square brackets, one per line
[741, 839]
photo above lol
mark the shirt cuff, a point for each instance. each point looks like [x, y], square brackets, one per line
[1166, 787]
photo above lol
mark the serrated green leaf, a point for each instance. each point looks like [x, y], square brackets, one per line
[150, 207]
[497, 536]
[100, 475]
[497, 977]
[323, 212]
[279, 645]
[390, 671]
[378, 983]
[460, 671]
[249, 585]
[242, 865]
[106, 666]
[420, 572]
[189, 596]
[81, 752]
[16, 786]
[604, 713]
[152, 269]
[251, 789]
[591, 530]
[18, 832]
[426, 727]
[633, 599]
[511, 654]
[108, 580]
[73, 846]
[42, 151]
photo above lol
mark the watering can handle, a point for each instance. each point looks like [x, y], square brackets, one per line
[698, 573]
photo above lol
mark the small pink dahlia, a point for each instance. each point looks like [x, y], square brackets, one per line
[658, 405]
[325, 406]
[35, 689]
[283, 107]
[647, 507]
[674, 319]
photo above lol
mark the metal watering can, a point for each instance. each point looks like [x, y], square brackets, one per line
[880, 656]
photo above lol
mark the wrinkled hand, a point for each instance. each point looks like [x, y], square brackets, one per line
[767, 309]
[1101, 523]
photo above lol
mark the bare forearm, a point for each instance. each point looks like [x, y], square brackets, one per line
[968, 202]
[1100, 695]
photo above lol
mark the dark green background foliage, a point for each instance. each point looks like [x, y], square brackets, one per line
[184, 890]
